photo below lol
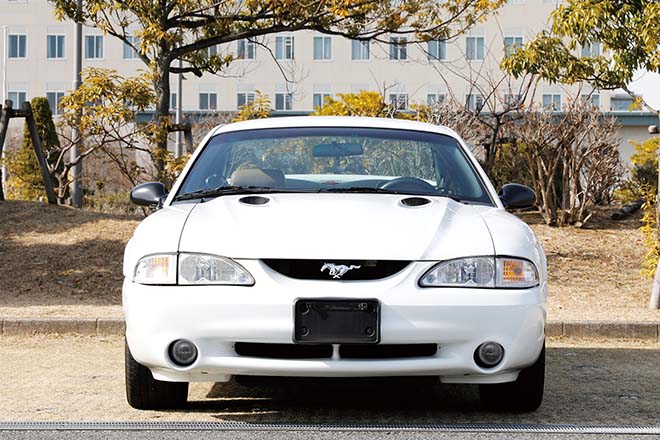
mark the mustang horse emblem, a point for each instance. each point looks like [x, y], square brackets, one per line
[338, 270]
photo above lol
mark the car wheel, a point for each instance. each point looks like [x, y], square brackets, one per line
[145, 392]
[525, 394]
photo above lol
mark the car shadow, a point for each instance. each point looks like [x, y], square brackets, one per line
[583, 386]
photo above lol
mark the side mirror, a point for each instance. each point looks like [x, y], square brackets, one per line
[516, 196]
[148, 194]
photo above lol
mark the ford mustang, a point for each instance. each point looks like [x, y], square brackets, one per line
[334, 247]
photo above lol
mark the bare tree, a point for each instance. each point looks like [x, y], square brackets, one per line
[573, 158]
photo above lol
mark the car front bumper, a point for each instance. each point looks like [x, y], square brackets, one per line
[214, 318]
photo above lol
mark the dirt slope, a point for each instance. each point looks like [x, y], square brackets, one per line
[57, 261]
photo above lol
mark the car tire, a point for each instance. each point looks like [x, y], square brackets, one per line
[525, 394]
[145, 392]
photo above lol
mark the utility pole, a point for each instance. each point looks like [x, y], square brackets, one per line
[2, 98]
[654, 303]
[178, 150]
[75, 187]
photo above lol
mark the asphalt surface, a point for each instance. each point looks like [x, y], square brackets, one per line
[81, 379]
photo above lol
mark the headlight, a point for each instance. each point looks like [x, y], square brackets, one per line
[210, 269]
[466, 272]
[482, 272]
[156, 269]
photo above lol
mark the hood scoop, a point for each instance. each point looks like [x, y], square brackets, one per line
[254, 200]
[413, 202]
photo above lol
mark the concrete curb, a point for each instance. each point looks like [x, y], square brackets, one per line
[78, 326]
[115, 326]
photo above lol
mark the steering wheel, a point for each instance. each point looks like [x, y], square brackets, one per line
[411, 184]
[215, 181]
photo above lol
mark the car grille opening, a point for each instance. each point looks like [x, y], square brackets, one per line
[324, 351]
[283, 351]
[357, 270]
[387, 351]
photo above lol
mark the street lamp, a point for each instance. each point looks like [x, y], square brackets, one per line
[2, 98]
[75, 186]
[655, 291]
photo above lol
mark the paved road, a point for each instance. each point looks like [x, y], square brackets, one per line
[78, 379]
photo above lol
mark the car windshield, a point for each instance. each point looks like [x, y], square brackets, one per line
[333, 159]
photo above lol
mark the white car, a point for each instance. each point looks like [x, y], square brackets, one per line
[334, 247]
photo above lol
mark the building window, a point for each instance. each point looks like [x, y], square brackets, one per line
[93, 47]
[54, 46]
[433, 99]
[284, 49]
[512, 99]
[511, 44]
[54, 99]
[322, 48]
[129, 52]
[246, 49]
[320, 99]
[398, 48]
[552, 101]
[399, 100]
[244, 98]
[593, 98]
[437, 50]
[173, 102]
[591, 50]
[17, 97]
[208, 101]
[474, 48]
[211, 51]
[622, 103]
[474, 102]
[17, 46]
[283, 101]
[359, 50]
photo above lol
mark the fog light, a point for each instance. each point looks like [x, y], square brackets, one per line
[183, 352]
[489, 354]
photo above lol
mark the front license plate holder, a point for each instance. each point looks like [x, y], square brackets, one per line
[337, 321]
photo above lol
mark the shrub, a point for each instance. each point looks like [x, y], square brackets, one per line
[643, 172]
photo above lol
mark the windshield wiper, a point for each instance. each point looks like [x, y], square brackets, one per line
[229, 190]
[359, 189]
[369, 190]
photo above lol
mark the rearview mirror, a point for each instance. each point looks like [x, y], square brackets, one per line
[516, 196]
[337, 150]
[148, 194]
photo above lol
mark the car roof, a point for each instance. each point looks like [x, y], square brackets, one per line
[334, 121]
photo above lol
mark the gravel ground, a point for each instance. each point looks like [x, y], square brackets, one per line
[81, 378]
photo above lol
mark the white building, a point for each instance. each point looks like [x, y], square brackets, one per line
[297, 70]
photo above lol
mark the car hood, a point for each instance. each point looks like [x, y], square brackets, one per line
[336, 226]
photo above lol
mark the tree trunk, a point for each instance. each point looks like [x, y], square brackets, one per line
[162, 114]
[491, 151]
